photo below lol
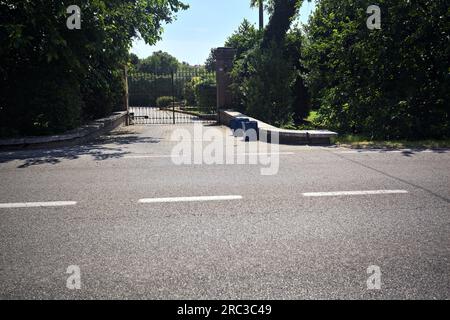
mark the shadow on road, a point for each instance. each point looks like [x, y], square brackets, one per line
[106, 147]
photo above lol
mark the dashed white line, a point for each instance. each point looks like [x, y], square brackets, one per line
[190, 199]
[267, 154]
[147, 157]
[238, 154]
[37, 204]
[352, 193]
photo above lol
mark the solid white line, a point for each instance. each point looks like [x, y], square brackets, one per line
[37, 204]
[352, 193]
[190, 199]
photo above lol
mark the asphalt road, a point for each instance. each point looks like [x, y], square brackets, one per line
[271, 240]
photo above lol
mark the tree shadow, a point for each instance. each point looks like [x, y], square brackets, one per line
[406, 153]
[411, 152]
[103, 148]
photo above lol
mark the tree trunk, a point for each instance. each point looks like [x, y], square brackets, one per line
[261, 14]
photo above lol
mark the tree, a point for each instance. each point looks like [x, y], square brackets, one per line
[270, 73]
[135, 61]
[301, 105]
[243, 40]
[210, 63]
[388, 83]
[159, 63]
[260, 5]
[52, 78]
[284, 12]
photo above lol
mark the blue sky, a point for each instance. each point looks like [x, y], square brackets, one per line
[205, 25]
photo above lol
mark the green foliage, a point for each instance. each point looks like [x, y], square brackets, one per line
[267, 79]
[284, 12]
[301, 104]
[268, 89]
[134, 62]
[245, 40]
[53, 78]
[189, 91]
[164, 102]
[210, 63]
[159, 63]
[144, 89]
[185, 67]
[389, 83]
[206, 94]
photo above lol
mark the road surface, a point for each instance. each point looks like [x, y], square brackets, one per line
[140, 226]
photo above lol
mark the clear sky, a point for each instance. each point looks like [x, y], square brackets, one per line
[205, 25]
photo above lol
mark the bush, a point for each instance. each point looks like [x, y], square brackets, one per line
[206, 95]
[385, 84]
[49, 106]
[268, 89]
[267, 80]
[189, 91]
[164, 102]
[103, 93]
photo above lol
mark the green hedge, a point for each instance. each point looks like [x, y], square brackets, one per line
[206, 95]
[164, 102]
[391, 83]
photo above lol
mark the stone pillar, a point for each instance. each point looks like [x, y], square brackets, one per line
[224, 63]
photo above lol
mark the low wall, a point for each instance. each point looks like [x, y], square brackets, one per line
[291, 137]
[76, 136]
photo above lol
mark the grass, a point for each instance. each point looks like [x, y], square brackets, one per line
[361, 142]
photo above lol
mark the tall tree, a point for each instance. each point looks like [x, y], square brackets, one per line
[283, 14]
[260, 5]
[268, 84]
[52, 78]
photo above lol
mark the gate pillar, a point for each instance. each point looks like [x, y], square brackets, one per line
[224, 64]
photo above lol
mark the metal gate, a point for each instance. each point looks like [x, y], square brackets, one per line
[185, 96]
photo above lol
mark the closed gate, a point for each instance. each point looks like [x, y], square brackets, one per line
[185, 96]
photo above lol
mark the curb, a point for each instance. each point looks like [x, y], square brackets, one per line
[76, 136]
[289, 137]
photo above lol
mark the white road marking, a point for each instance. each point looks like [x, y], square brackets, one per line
[147, 157]
[267, 154]
[238, 154]
[37, 204]
[190, 199]
[352, 193]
